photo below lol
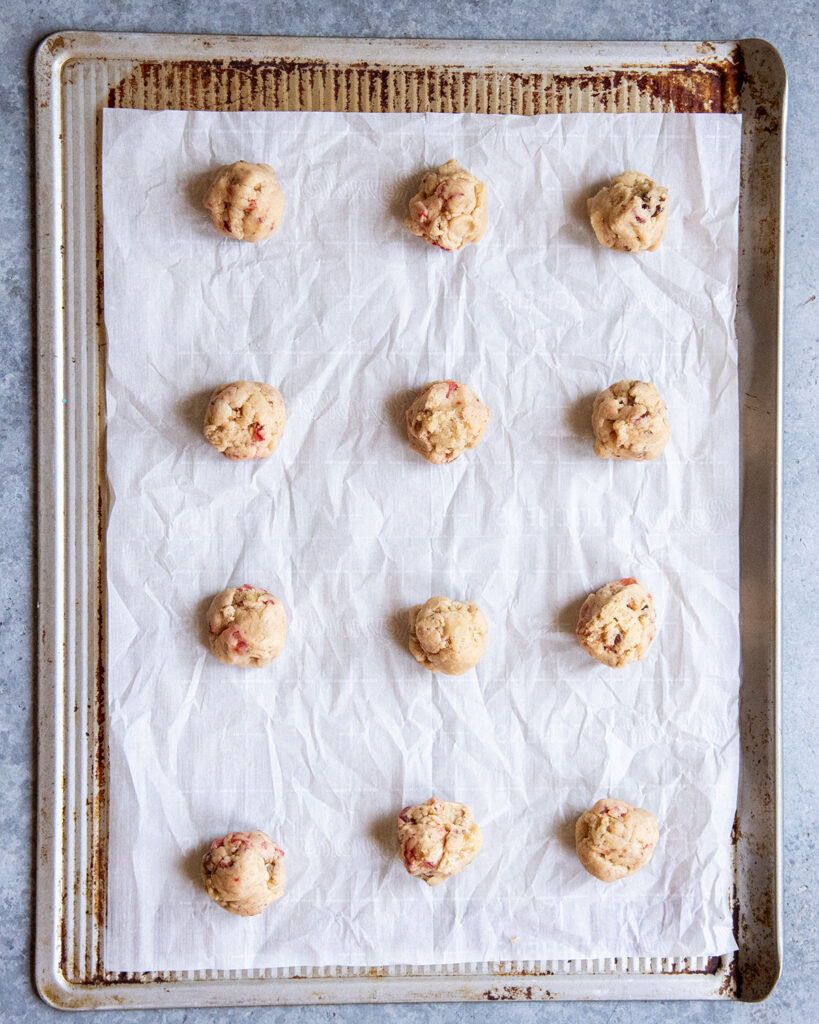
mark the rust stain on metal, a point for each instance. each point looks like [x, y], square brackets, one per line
[729, 986]
[55, 44]
[707, 85]
[515, 992]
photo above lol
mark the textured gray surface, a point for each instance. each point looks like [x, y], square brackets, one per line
[791, 27]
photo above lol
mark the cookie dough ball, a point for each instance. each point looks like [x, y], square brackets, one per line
[244, 872]
[438, 839]
[449, 209]
[245, 201]
[629, 422]
[617, 624]
[630, 214]
[614, 839]
[445, 419]
[245, 419]
[247, 626]
[447, 636]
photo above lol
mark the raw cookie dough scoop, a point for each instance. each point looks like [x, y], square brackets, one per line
[447, 636]
[629, 422]
[438, 839]
[244, 872]
[245, 420]
[630, 215]
[245, 201]
[445, 419]
[246, 626]
[615, 839]
[617, 623]
[449, 209]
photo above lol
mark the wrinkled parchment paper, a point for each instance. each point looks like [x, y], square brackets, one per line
[348, 314]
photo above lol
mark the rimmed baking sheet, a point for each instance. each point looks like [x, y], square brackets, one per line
[79, 75]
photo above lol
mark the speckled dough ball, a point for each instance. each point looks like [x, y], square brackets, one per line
[247, 626]
[438, 839]
[617, 623]
[614, 839]
[444, 420]
[245, 201]
[244, 872]
[449, 209]
[630, 214]
[447, 636]
[245, 419]
[629, 422]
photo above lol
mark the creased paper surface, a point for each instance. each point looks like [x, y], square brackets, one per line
[348, 314]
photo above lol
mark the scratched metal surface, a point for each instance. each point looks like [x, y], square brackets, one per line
[79, 74]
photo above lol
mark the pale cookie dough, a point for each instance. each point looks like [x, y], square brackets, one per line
[449, 209]
[617, 624]
[244, 872]
[438, 839]
[629, 422]
[630, 214]
[245, 201]
[245, 419]
[445, 419]
[247, 626]
[447, 636]
[614, 839]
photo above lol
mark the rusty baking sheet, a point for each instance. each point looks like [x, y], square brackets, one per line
[76, 76]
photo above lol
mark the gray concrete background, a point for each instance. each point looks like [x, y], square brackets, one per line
[791, 27]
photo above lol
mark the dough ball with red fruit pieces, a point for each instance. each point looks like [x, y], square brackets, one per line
[447, 636]
[245, 420]
[247, 626]
[438, 839]
[449, 209]
[445, 419]
[245, 201]
[244, 872]
[617, 623]
[614, 839]
[629, 422]
[630, 214]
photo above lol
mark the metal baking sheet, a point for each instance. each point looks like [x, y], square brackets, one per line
[77, 75]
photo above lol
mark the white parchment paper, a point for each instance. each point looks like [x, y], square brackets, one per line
[348, 314]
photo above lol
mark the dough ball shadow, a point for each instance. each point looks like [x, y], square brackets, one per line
[565, 831]
[578, 417]
[191, 865]
[398, 629]
[196, 188]
[383, 831]
[402, 190]
[191, 412]
[193, 195]
[567, 616]
[578, 212]
[395, 408]
[200, 625]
